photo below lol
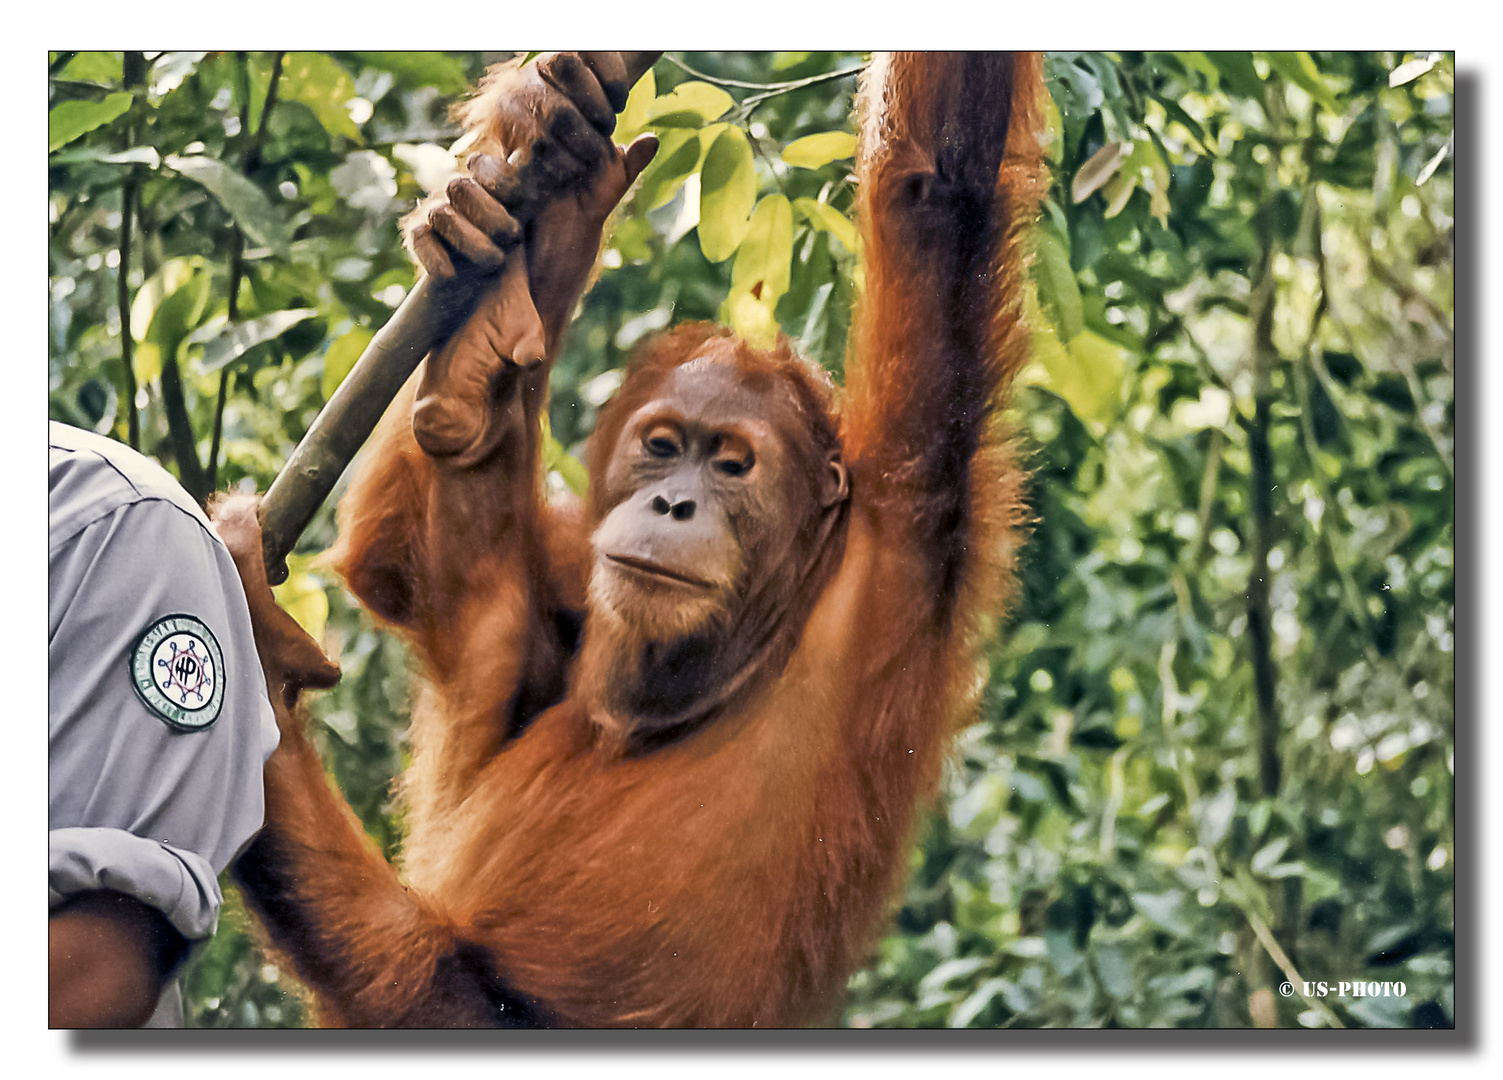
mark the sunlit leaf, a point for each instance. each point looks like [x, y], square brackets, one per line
[1156, 182]
[171, 276]
[246, 202]
[690, 104]
[302, 596]
[317, 80]
[176, 315]
[1268, 856]
[1087, 374]
[766, 252]
[760, 274]
[815, 151]
[1117, 192]
[136, 155]
[973, 1005]
[1410, 70]
[71, 119]
[826, 217]
[1434, 162]
[104, 68]
[1299, 68]
[170, 69]
[632, 120]
[146, 362]
[727, 193]
[677, 157]
[1098, 169]
[1176, 112]
[1198, 61]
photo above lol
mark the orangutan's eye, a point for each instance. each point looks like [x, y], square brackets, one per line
[661, 444]
[735, 466]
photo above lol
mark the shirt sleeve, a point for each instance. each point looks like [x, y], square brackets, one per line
[158, 721]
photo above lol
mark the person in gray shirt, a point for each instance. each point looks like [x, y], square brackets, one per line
[158, 726]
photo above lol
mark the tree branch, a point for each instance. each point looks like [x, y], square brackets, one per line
[1261, 485]
[250, 162]
[767, 88]
[134, 69]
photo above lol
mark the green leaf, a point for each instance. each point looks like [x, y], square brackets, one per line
[557, 459]
[246, 203]
[104, 68]
[1059, 292]
[1177, 113]
[1237, 71]
[761, 272]
[962, 1015]
[1118, 192]
[1054, 132]
[170, 276]
[1300, 69]
[241, 337]
[341, 357]
[1164, 909]
[1115, 971]
[815, 151]
[136, 155]
[768, 248]
[825, 217]
[178, 314]
[727, 193]
[72, 119]
[1087, 373]
[634, 117]
[302, 596]
[690, 104]
[414, 69]
[677, 158]
[1268, 856]
[1199, 61]
[317, 80]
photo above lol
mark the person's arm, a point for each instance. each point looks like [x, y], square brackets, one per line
[108, 958]
[158, 725]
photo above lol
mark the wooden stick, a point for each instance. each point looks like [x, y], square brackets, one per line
[430, 314]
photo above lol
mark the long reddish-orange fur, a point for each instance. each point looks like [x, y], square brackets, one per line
[739, 875]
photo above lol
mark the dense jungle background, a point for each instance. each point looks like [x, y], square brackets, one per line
[1213, 765]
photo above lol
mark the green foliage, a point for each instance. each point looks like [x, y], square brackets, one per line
[1112, 853]
[1242, 375]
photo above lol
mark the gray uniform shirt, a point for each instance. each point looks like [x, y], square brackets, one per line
[158, 723]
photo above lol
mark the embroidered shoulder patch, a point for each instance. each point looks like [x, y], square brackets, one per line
[177, 670]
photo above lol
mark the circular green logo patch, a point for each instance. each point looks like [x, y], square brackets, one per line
[177, 669]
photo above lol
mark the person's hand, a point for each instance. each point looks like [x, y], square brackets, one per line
[290, 658]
